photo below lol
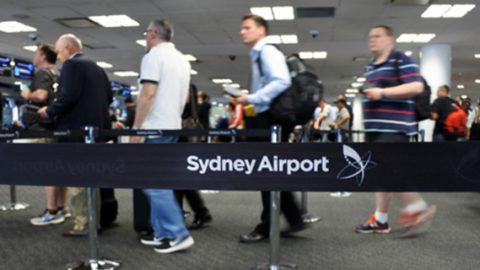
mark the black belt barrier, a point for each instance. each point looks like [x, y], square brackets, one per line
[247, 166]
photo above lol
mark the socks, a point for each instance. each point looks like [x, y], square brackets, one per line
[417, 206]
[381, 217]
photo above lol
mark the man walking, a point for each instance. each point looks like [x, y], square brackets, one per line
[165, 79]
[389, 116]
[267, 83]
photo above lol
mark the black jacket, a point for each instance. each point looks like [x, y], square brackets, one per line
[83, 97]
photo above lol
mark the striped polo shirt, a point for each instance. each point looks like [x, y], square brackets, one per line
[391, 115]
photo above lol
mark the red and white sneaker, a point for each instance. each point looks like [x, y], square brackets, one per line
[410, 224]
[372, 225]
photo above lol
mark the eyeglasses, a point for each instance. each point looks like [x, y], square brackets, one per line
[149, 30]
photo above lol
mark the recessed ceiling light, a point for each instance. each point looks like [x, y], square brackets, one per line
[141, 42]
[435, 11]
[15, 27]
[408, 53]
[352, 91]
[232, 85]
[283, 13]
[460, 86]
[121, 20]
[103, 64]
[458, 11]
[424, 38]
[221, 80]
[289, 39]
[415, 38]
[264, 12]
[274, 39]
[190, 57]
[193, 72]
[477, 55]
[319, 55]
[133, 88]
[350, 95]
[356, 84]
[477, 81]
[361, 79]
[126, 74]
[305, 55]
[31, 48]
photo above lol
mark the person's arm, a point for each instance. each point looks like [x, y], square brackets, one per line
[144, 103]
[70, 89]
[405, 90]
[345, 118]
[238, 117]
[40, 95]
[275, 70]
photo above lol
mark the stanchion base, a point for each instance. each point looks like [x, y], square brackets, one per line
[267, 266]
[310, 219]
[103, 264]
[340, 194]
[14, 206]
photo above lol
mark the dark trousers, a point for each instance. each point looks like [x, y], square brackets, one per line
[288, 205]
[195, 201]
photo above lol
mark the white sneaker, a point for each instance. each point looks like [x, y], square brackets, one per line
[46, 218]
[169, 246]
[151, 240]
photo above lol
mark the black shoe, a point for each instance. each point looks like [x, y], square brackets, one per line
[295, 228]
[200, 222]
[252, 237]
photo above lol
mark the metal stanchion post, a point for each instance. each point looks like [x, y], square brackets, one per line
[340, 194]
[307, 218]
[274, 263]
[93, 263]
[13, 205]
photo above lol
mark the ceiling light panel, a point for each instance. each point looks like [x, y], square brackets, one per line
[193, 72]
[190, 57]
[103, 64]
[477, 55]
[415, 38]
[31, 48]
[283, 13]
[477, 81]
[435, 11]
[114, 21]
[141, 42]
[306, 55]
[406, 38]
[319, 55]
[221, 80]
[264, 12]
[126, 74]
[15, 27]
[274, 39]
[424, 38]
[289, 39]
[458, 11]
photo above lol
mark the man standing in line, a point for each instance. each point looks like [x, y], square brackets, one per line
[267, 84]
[83, 98]
[389, 116]
[165, 79]
[441, 107]
[324, 120]
[40, 93]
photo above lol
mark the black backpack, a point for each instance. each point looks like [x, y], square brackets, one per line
[423, 110]
[295, 106]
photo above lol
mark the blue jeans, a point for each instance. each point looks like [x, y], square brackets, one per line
[165, 214]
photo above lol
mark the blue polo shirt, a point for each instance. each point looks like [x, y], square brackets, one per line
[391, 115]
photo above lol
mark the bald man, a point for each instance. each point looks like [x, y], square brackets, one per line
[83, 98]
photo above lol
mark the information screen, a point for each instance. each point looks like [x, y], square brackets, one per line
[5, 68]
[120, 89]
[23, 70]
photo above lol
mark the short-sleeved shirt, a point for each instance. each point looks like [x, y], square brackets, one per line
[328, 114]
[442, 106]
[46, 79]
[391, 115]
[341, 114]
[167, 67]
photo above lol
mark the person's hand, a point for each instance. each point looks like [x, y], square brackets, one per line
[43, 112]
[25, 93]
[119, 125]
[374, 93]
[242, 99]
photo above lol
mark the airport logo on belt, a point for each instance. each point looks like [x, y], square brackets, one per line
[249, 166]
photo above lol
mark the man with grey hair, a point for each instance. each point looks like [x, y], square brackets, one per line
[165, 80]
[83, 98]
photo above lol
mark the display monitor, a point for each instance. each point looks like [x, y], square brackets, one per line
[121, 89]
[5, 68]
[23, 69]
